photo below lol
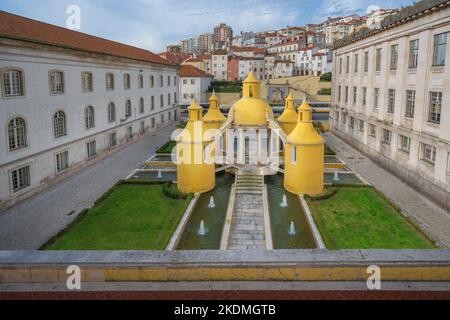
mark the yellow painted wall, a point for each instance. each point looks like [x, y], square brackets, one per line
[305, 177]
[194, 175]
[305, 83]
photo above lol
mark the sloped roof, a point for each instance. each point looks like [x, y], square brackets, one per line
[21, 28]
[187, 70]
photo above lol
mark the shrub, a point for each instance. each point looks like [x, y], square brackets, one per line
[324, 92]
[319, 126]
[326, 77]
[170, 190]
[327, 194]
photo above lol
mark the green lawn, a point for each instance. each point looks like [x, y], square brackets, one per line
[132, 217]
[359, 218]
[167, 148]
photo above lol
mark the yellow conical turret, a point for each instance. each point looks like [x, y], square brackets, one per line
[214, 118]
[288, 119]
[304, 156]
[195, 168]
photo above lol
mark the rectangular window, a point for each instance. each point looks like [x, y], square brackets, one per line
[141, 81]
[434, 111]
[356, 63]
[20, 178]
[339, 93]
[378, 60]
[161, 81]
[428, 153]
[152, 81]
[87, 83]
[168, 81]
[62, 161]
[372, 130]
[355, 95]
[366, 61]
[153, 123]
[294, 154]
[142, 127]
[352, 123]
[410, 103]
[340, 65]
[113, 140]
[364, 96]
[129, 133]
[109, 81]
[394, 56]
[413, 54]
[387, 136]
[361, 125]
[440, 48]
[391, 102]
[346, 94]
[13, 83]
[347, 66]
[56, 82]
[91, 149]
[376, 98]
[127, 81]
[404, 143]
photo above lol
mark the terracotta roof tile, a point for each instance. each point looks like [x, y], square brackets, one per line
[20, 28]
[187, 70]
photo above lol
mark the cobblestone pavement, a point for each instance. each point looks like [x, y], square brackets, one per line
[31, 223]
[433, 219]
[247, 229]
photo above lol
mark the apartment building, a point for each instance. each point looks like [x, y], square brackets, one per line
[391, 95]
[69, 99]
[219, 64]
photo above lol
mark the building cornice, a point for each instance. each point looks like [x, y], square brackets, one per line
[406, 15]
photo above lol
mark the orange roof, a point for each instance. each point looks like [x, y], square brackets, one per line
[175, 57]
[187, 70]
[20, 28]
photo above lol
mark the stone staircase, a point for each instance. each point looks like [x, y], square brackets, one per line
[247, 226]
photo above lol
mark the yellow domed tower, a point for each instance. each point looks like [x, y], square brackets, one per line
[195, 172]
[251, 110]
[304, 156]
[214, 118]
[288, 119]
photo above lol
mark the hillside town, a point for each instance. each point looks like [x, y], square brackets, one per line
[270, 54]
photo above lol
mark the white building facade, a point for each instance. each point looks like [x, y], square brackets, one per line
[391, 96]
[62, 109]
[194, 85]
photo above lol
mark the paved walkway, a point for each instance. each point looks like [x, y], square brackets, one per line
[247, 227]
[31, 223]
[431, 217]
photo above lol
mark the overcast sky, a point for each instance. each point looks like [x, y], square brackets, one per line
[153, 24]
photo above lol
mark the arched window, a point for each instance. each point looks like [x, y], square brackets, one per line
[127, 81]
[56, 82]
[13, 83]
[128, 109]
[111, 112]
[162, 101]
[59, 124]
[141, 105]
[89, 117]
[17, 134]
